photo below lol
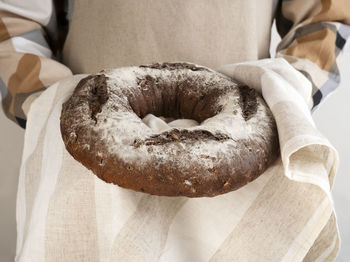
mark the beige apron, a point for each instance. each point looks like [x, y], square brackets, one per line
[114, 33]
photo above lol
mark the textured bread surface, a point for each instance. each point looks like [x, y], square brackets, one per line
[236, 140]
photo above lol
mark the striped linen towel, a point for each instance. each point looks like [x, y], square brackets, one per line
[65, 213]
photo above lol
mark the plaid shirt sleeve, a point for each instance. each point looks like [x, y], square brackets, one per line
[27, 62]
[314, 34]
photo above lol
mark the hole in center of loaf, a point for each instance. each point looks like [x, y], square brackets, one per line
[167, 119]
[176, 99]
[162, 123]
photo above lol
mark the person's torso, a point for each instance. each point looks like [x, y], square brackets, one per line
[114, 33]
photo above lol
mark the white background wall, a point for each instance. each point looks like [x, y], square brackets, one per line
[332, 118]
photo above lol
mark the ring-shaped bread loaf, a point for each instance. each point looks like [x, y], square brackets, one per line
[102, 127]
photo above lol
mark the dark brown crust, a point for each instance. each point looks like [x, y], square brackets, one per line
[98, 96]
[176, 135]
[175, 66]
[179, 98]
[248, 102]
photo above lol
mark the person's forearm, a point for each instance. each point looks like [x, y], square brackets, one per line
[27, 66]
[313, 37]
